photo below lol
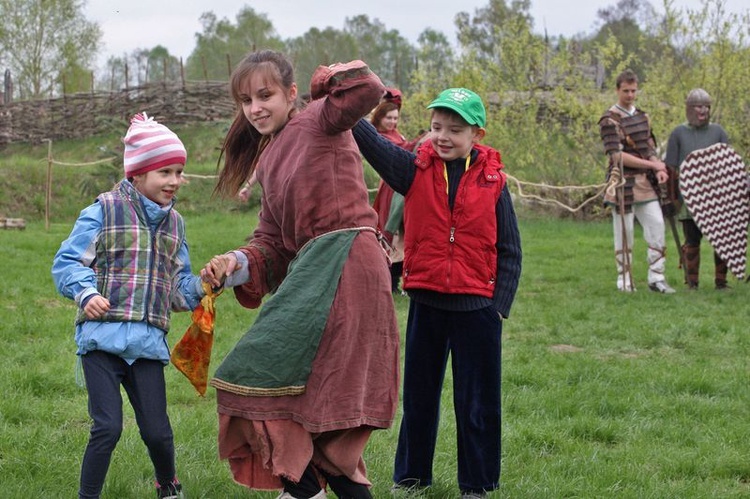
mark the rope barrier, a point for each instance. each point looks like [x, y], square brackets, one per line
[193, 175]
[600, 188]
[53, 162]
[105, 160]
[520, 185]
[61, 163]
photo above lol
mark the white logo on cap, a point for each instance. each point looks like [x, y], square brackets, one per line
[460, 95]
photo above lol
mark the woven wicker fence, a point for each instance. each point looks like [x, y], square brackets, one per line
[85, 114]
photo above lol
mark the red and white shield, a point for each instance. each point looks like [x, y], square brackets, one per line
[714, 185]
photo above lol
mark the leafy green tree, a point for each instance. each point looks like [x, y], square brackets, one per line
[44, 39]
[388, 53]
[634, 24]
[140, 67]
[433, 72]
[484, 33]
[161, 65]
[223, 44]
[706, 47]
[74, 77]
[117, 74]
[500, 42]
[318, 47]
[434, 53]
[503, 61]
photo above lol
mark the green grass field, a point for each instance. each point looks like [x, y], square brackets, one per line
[604, 394]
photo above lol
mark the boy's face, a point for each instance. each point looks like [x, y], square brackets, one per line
[161, 185]
[626, 94]
[451, 136]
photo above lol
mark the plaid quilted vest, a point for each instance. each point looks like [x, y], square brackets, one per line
[134, 265]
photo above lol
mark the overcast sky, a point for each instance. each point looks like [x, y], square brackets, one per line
[132, 24]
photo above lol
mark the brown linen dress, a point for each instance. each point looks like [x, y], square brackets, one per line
[312, 180]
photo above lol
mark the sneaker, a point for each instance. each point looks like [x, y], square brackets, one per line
[172, 490]
[473, 495]
[661, 287]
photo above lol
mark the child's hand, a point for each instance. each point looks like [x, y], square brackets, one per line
[96, 307]
[219, 268]
[244, 194]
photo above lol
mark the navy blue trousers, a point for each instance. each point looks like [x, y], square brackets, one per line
[473, 341]
[144, 384]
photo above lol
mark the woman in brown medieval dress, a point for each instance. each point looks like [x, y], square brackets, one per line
[302, 390]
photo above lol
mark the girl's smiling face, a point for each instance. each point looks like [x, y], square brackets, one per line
[451, 136]
[161, 185]
[265, 103]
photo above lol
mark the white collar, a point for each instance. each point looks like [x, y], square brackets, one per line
[629, 112]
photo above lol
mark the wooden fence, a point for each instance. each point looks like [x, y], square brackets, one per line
[89, 113]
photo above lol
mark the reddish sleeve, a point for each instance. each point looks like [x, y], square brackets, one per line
[350, 90]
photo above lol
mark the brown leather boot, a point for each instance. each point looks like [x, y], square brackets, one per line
[691, 258]
[720, 272]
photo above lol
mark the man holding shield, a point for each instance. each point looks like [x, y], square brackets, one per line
[697, 133]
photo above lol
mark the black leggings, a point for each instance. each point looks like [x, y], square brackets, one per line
[308, 486]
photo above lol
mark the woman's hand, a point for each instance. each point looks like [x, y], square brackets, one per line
[219, 268]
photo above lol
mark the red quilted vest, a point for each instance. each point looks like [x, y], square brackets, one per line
[453, 252]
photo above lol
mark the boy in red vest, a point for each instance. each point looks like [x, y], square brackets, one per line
[462, 265]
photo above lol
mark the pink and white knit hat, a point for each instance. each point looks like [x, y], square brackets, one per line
[150, 146]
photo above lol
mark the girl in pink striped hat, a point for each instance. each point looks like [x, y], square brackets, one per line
[127, 267]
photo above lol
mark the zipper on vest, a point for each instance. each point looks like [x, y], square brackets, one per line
[452, 240]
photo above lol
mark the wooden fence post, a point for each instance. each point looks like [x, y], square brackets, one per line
[182, 73]
[48, 195]
[7, 87]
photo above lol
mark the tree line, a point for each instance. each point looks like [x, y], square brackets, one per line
[545, 92]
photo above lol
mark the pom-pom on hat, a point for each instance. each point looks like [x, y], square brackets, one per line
[463, 101]
[150, 146]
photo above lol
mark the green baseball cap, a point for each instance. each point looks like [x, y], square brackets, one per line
[463, 101]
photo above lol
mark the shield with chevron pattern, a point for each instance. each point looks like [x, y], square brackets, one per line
[714, 185]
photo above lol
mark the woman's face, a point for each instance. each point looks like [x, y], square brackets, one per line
[265, 103]
[389, 121]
